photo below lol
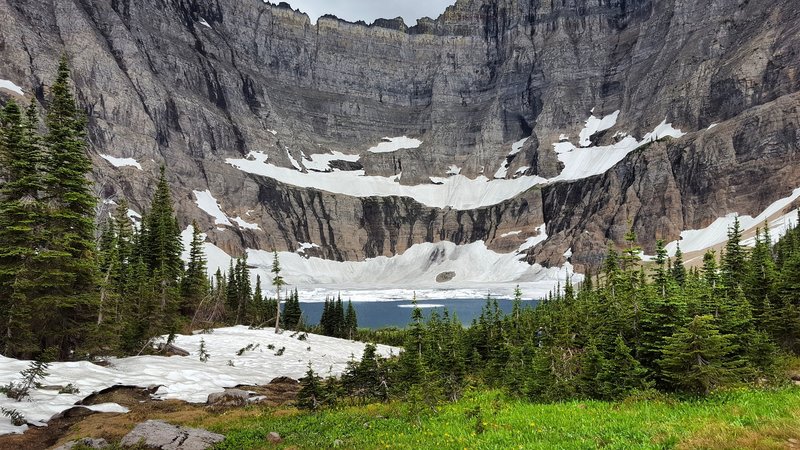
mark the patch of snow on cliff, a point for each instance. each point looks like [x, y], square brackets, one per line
[9, 86]
[244, 224]
[588, 161]
[456, 191]
[204, 23]
[516, 147]
[294, 162]
[321, 162]
[595, 125]
[717, 232]
[184, 378]
[121, 162]
[306, 246]
[511, 233]
[394, 144]
[454, 170]
[711, 126]
[209, 204]
[533, 240]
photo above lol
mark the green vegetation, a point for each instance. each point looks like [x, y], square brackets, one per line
[491, 420]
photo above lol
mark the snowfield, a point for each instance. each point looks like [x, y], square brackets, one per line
[121, 162]
[456, 191]
[185, 378]
[10, 86]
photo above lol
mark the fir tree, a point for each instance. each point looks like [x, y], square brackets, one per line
[693, 359]
[311, 395]
[194, 285]
[277, 281]
[350, 321]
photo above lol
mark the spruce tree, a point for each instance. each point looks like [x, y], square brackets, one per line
[278, 282]
[694, 358]
[350, 321]
[194, 285]
[66, 266]
[21, 218]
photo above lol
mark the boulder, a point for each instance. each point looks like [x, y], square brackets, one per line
[274, 438]
[230, 397]
[161, 435]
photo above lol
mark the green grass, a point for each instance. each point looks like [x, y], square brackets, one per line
[736, 419]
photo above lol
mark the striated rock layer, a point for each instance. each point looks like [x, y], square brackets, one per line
[191, 83]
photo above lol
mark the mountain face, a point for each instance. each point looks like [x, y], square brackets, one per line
[280, 120]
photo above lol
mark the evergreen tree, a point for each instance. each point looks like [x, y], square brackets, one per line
[21, 217]
[194, 285]
[693, 359]
[311, 395]
[277, 281]
[350, 321]
[66, 301]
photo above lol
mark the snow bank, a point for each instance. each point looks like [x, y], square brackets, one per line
[595, 125]
[244, 224]
[204, 23]
[533, 240]
[516, 147]
[9, 86]
[588, 161]
[717, 232]
[209, 204]
[457, 191]
[321, 162]
[394, 144]
[185, 378]
[121, 162]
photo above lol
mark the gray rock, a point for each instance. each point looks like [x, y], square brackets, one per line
[164, 89]
[274, 437]
[230, 397]
[85, 442]
[164, 436]
[445, 277]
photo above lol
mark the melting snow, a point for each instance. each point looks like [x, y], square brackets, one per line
[204, 23]
[454, 170]
[8, 85]
[511, 233]
[208, 203]
[273, 132]
[185, 378]
[394, 144]
[457, 191]
[516, 147]
[321, 162]
[245, 225]
[121, 162]
[717, 232]
[595, 125]
[306, 246]
[293, 161]
[421, 306]
[533, 240]
[711, 126]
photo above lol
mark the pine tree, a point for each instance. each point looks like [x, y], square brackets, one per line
[21, 215]
[194, 285]
[350, 321]
[67, 298]
[678, 269]
[277, 281]
[693, 359]
[311, 395]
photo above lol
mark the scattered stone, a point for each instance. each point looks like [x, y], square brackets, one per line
[85, 443]
[161, 435]
[338, 443]
[444, 277]
[274, 437]
[230, 397]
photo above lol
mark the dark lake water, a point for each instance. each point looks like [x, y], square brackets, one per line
[387, 313]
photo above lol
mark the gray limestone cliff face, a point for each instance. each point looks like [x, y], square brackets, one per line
[189, 83]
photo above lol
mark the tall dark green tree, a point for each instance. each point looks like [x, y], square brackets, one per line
[194, 285]
[67, 298]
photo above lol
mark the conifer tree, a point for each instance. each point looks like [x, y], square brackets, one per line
[21, 216]
[311, 395]
[694, 359]
[277, 281]
[194, 285]
[66, 265]
[350, 321]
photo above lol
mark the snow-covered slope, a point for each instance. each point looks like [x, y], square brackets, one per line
[185, 378]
